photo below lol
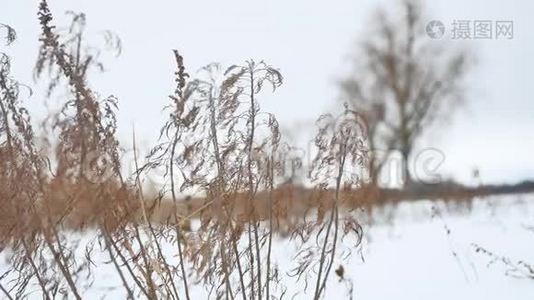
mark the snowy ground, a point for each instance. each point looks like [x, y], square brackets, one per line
[420, 250]
[418, 259]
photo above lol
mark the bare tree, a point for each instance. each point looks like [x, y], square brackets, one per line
[402, 81]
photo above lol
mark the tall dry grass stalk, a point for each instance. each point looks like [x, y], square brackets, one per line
[217, 147]
[22, 184]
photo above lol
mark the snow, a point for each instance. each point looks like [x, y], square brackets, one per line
[419, 250]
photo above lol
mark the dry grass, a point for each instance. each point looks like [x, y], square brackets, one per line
[217, 144]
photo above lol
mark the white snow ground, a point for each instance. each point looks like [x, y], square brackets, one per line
[416, 254]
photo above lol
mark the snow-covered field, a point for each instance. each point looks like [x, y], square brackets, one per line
[419, 259]
[420, 250]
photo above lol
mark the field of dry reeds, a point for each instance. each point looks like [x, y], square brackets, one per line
[222, 158]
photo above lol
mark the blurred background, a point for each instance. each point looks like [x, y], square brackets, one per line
[314, 44]
[417, 249]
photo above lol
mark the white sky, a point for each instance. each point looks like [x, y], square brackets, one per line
[309, 41]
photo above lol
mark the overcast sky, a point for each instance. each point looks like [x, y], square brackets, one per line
[309, 41]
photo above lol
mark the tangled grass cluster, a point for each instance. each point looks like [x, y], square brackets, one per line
[217, 145]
